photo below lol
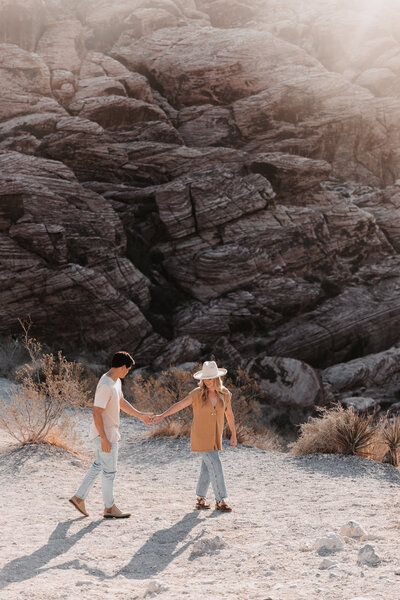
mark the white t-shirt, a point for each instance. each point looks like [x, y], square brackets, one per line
[108, 396]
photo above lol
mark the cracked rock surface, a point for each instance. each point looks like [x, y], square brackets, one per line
[223, 171]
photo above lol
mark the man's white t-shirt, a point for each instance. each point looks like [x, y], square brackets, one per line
[108, 396]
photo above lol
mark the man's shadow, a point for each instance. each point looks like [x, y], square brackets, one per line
[30, 565]
[160, 549]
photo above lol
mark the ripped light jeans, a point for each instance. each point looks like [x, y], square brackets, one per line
[106, 464]
[211, 471]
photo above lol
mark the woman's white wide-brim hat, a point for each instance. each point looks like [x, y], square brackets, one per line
[209, 371]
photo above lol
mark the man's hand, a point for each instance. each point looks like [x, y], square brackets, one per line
[147, 418]
[105, 445]
[158, 419]
[233, 440]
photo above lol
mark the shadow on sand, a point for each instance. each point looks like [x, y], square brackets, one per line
[153, 557]
[160, 549]
[28, 566]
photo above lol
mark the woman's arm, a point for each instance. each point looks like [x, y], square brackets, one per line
[175, 408]
[231, 420]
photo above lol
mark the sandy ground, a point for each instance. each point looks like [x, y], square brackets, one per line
[262, 550]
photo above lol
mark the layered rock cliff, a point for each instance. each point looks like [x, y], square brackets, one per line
[188, 177]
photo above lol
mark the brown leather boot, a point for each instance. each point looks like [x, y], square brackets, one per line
[79, 504]
[115, 513]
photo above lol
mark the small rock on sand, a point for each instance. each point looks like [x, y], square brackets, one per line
[331, 542]
[352, 530]
[368, 556]
[327, 564]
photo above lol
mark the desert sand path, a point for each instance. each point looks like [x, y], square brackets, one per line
[263, 550]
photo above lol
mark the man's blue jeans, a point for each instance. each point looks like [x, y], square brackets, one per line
[105, 463]
[211, 471]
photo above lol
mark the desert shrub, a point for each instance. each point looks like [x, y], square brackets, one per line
[64, 435]
[157, 393]
[336, 431]
[47, 385]
[354, 432]
[390, 433]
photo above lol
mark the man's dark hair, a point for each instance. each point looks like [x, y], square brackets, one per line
[121, 359]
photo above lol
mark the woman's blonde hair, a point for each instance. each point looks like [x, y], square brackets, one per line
[218, 389]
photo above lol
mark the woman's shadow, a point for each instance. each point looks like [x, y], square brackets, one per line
[160, 549]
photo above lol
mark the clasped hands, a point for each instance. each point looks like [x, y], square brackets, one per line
[151, 418]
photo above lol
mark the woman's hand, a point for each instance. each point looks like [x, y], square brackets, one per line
[233, 440]
[157, 419]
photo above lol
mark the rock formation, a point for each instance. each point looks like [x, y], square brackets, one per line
[188, 177]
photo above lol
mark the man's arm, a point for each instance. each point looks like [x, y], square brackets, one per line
[98, 421]
[127, 407]
[231, 420]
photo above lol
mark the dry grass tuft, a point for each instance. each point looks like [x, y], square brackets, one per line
[336, 431]
[158, 393]
[317, 434]
[169, 429]
[391, 437]
[344, 431]
[353, 432]
[377, 447]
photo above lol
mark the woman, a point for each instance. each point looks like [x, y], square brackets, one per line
[210, 402]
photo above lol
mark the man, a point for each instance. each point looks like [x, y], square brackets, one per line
[105, 435]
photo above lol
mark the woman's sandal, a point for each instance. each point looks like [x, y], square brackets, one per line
[223, 506]
[201, 504]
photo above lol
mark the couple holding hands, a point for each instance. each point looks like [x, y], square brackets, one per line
[210, 401]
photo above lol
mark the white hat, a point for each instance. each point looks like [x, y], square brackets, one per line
[209, 371]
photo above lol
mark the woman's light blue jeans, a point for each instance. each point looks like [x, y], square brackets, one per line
[105, 463]
[211, 470]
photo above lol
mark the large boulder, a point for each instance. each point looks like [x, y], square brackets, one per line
[287, 381]
[203, 65]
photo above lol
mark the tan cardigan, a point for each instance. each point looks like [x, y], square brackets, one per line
[208, 423]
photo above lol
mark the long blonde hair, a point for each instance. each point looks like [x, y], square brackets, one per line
[217, 387]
